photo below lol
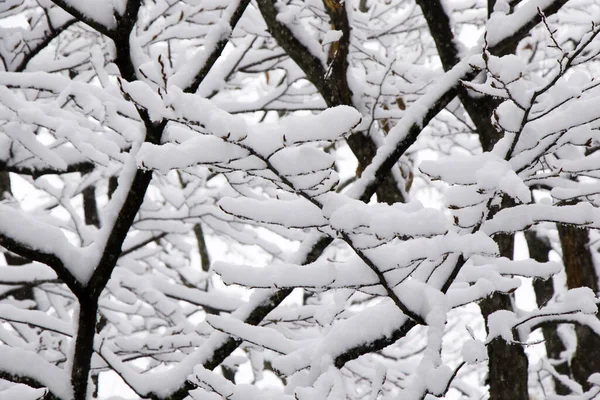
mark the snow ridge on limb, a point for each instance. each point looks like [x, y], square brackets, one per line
[23, 366]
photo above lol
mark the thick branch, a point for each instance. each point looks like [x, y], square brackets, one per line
[121, 38]
[309, 63]
[202, 249]
[25, 380]
[48, 258]
[35, 172]
[83, 18]
[218, 49]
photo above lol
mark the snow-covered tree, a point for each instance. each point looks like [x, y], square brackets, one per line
[319, 199]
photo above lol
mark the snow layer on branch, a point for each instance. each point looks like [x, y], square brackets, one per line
[35, 318]
[141, 93]
[370, 324]
[214, 387]
[520, 217]
[474, 351]
[403, 253]
[500, 25]
[217, 299]
[528, 268]
[487, 171]
[26, 273]
[29, 141]
[389, 221]
[327, 125]
[577, 305]
[331, 37]
[320, 274]
[22, 392]
[102, 12]
[45, 238]
[21, 362]
[201, 150]
[263, 336]
[423, 300]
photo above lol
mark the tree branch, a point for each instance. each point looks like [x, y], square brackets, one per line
[218, 49]
[42, 45]
[35, 172]
[80, 16]
[41, 255]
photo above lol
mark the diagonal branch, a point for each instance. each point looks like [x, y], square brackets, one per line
[52, 252]
[215, 53]
[308, 62]
[56, 32]
[21, 366]
[82, 17]
[25, 380]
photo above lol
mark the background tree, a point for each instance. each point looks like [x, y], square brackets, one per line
[197, 194]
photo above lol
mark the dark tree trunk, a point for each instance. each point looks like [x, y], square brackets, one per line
[202, 249]
[84, 347]
[508, 362]
[5, 189]
[505, 382]
[90, 208]
[90, 212]
[539, 247]
[580, 270]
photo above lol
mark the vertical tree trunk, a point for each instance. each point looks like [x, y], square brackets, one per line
[90, 212]
[90, 207]
[505, 383]
[202, 249]
[84, 347]
[581, 272]
[539, 247]
[508, 362]
[5, 189]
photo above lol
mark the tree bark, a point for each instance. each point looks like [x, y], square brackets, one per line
[581, 272]
[84, 347]
[508, 362]
[90, 207]
[539, 247]
[505, 383]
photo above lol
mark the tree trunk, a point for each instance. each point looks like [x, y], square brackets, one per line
[84, 347]
[539, 247]
[508, 362]
[581, 272]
